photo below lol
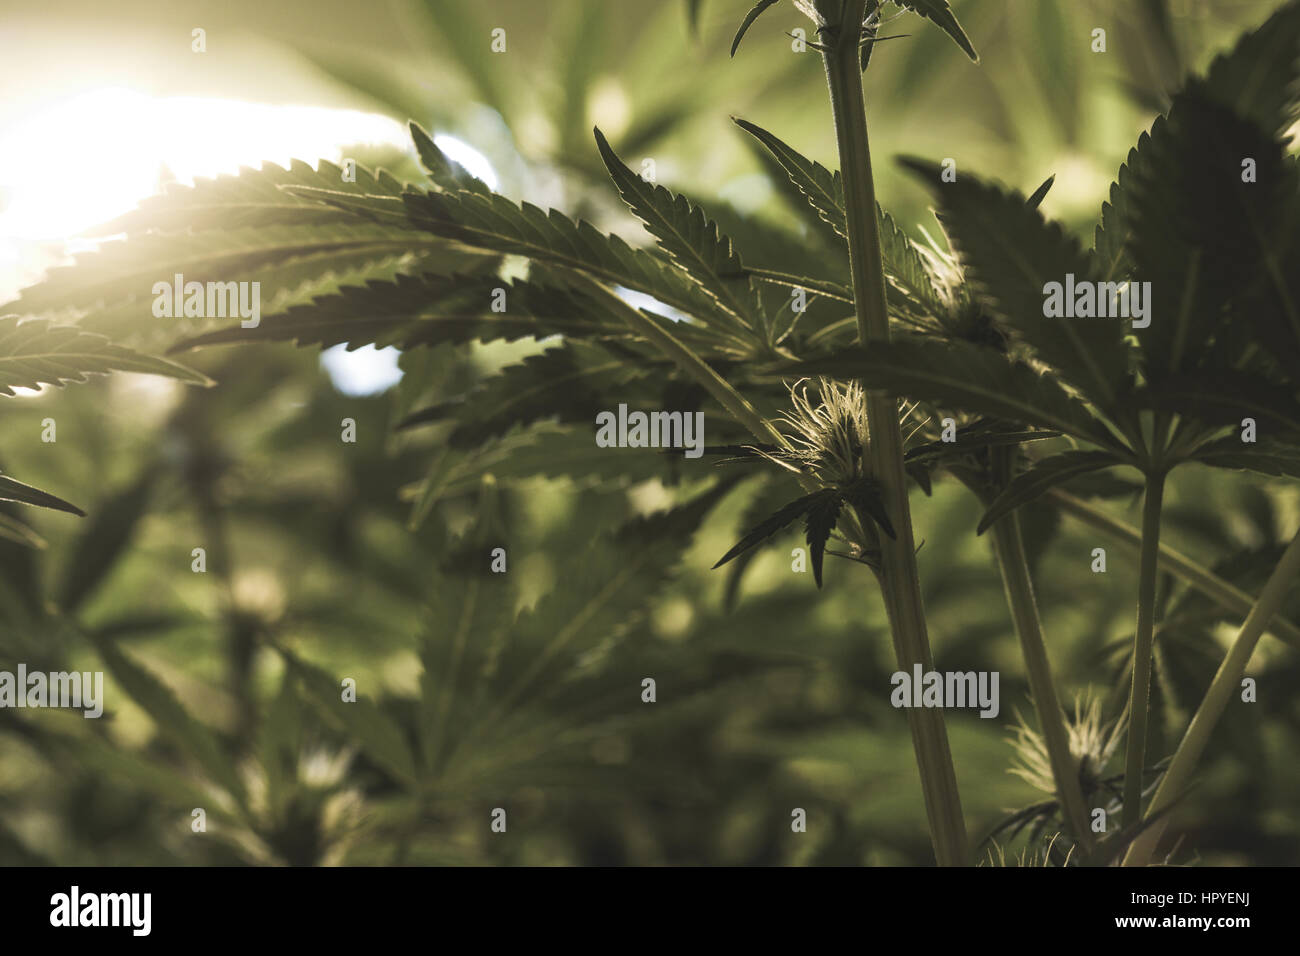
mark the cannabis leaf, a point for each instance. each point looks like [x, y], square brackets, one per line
[36, 353]
[967, 376]
[254, 197]
[939, 12]
[11, 490]
[423, 310]
[754, 13]
[1009, 253]
[1040, 478]
[820, 511]
[690, 238]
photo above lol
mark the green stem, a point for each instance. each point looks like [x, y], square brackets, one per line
[1174, 562]
[686, 359]
[899, 578]
[1009, 547]
[1140, 693]
[1226, 683]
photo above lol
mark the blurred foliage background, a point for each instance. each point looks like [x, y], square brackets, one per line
[771, 695]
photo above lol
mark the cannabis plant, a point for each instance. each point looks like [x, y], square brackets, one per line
[865, 364]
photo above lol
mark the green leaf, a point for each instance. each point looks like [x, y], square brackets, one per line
[11, 490]
[831, 290]
[1258, 77]
[1111, 238]
[121, 271]
[1010, 253]
[36, 353]
[818, 523]
[939, 12]
[1041, 477]
[103, 541]
[445, 172]
[171, 718]
[545, 450]
[494, 223]
[693, 15]
[966, 376]
[422, 310]
[1224, 397]
[11, 529]
[692, 240]
[461, 33]
[607, 589]
[824, 191]
[866, 495]
[1265, 457]
[776, 522]
[573, 381]
[1196, 255]
[750, 17]
[252, 198]
[1036, 198]
[379, 736]
[985, 433]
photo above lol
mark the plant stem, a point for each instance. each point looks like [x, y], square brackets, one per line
[899, 578]
[1227, 681]
[1144, 635]
[1009, 547]
[1175, 562]
[686, 359]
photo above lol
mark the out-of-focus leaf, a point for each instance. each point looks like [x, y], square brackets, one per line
[11, 490]
[102, 543]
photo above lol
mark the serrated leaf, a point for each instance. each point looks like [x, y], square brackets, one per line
[1264, 457]
[818, 523]
[775, 523]
[422, 310]
[443, 171]
[379, 736]
[966, 376]
[171, 718]
[607, 589]
[1041, 477]
[574, 381]
[254, 197]
[36, 353]
[1224, 397]
[1258, 77]
[824, 191]
[11, 490]
[985, 433]
[494, 223]
[128, 270]
[544, 450]
[692, 240]
[940, 13]
[1196, 255]
[1010, 253]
